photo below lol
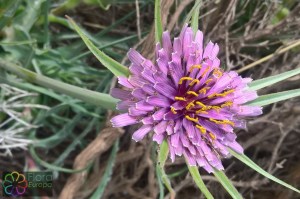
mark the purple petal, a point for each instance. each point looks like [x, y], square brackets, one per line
[158, 138]
[141, 132]
[165, 90]
[144, 106]
[120, 94]
[166, 41]
[159, 101]
[135, 69]
[135, 57]
[124, 82]
[139, 93]
[208, 49]
[214, 52]
[132, 111]
[162, 61]
[177, 46]
[148, 75]
[123, 120]
[148, 88]
[190, 158]
[124, 105]
[175, 140]
[159, 115]
[161, 127]
[148, 120]
[236, 147]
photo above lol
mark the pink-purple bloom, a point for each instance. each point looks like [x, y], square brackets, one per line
[186, 99]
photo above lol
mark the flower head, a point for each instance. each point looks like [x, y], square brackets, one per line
[187, 99]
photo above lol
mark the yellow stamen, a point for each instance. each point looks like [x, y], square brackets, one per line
[194, 66]
[180, 98]
[228, 122]
[213, 136]
[173, 110]
[222, 121]
[221, 94]
[191, 119]
[229, 103]
[195, 81]
[201, 111]
[200, 104]
[208, 81]
[201, 128]
[191, 104]
[217, 108]
[192, 93]
[206, 70]
[184, 78]
[217, 72]
[204, 90]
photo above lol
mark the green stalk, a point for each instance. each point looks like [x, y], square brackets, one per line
[92, 97]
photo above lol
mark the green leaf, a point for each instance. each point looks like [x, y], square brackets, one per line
[162, 157]
[261, 83]
[92, 97]
[107, 173]
[7, 11]
[251, 164]
[163, 153]
[227, 184]
[264, 100]
[158, 22]
[199, 182]
[195, 16]
[115, 67]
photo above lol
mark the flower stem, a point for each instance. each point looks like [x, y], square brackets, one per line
[92, 97]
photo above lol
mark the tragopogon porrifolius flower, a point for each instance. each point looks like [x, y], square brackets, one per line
[187, 99]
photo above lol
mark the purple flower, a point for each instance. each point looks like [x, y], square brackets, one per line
[186, 99]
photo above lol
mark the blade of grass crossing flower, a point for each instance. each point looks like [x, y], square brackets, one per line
[199, 182]
[115, 67]
[107, 173]
[162, 157]
[257, 168]
[274, 97]
[157, 21]
[261, 83]
[222, 178]
[190, 14]
[92, 97]
[195, 16]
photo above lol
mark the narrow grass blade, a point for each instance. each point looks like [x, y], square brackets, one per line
[227, 184]
[92, 97]
[190, 14]
[257, 168]
[107, 173]
[158, 22]
[115, 67]
[195, 16]
[162, 157]
[199, 182]
[274, 97]
[53, 167]
[261, 83]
